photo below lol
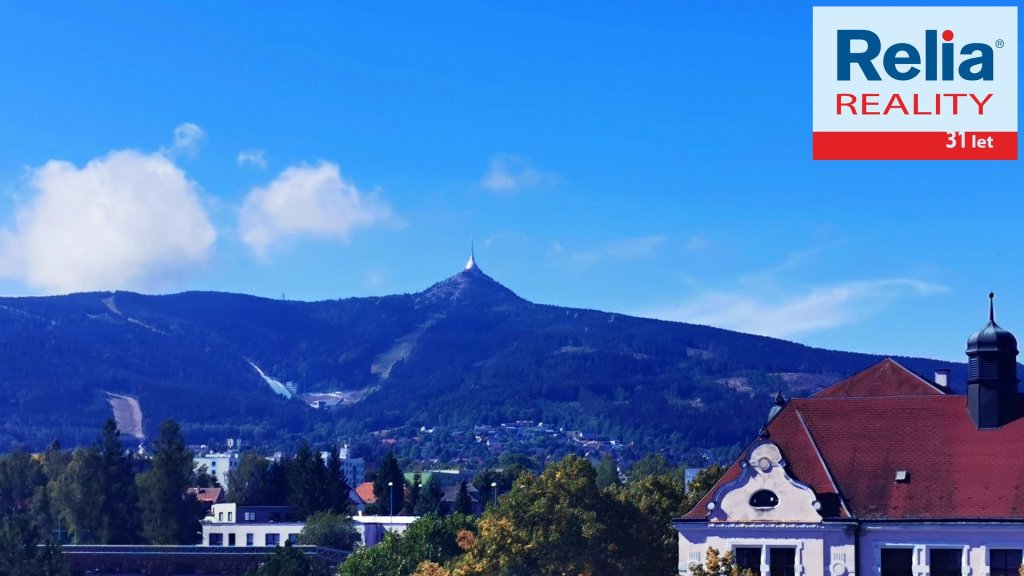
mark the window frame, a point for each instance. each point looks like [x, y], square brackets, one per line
[786, 570]
[881, 558]
[957, 571]
[760, 557]
[1011, 570]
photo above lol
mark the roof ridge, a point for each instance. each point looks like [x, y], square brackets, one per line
[821, 460]
[897, 373]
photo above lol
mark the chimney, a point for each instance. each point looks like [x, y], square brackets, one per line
[942, 378]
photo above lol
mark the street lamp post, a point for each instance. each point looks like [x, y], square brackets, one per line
[494, 490]
[391, 497]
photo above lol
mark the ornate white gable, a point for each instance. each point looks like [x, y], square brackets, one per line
[764, 492]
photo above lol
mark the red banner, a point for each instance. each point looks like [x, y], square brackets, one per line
[915, 145]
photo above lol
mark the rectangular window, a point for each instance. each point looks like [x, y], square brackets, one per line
[273, 539]
[249, 539]
[944, 561]
[231, 539]
[749, 559]
[1004, 562]
[216, 539]
[249, 516]
[782, 561]
[230, 514]
[293, 538]
[220, 516]
[897, 562]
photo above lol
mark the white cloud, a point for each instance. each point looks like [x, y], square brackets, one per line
[818, 309]
[626, 249]
[508, 173]
[697, 243]
[642, 247]
[307, 200]
[188, 138]
[254, 157]
[124, 221]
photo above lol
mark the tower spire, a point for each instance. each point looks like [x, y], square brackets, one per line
[471, 265]
[991, 307]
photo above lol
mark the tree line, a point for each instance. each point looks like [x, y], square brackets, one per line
[102, 494]
[559, 522]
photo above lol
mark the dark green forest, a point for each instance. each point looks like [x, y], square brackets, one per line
[464, 352]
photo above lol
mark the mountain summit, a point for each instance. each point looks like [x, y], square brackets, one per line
[470, 287]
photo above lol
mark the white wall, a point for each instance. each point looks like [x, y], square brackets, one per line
[821, 549]
[218, 465]
[259, 532]
[974, 539]
[372, 528]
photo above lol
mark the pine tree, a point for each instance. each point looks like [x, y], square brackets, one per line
[337, 484]
[120, 522]
[390, 498]
[307, 482]
[170, 515]
[414, 494]
[463, 501]
[429, 499]
[607, 471]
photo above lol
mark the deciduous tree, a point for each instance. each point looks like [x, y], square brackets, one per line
[24, 553]
[329, 529]
[78, 496]
[286, 561]
[250, 482]
[431, 538]
[546, 526]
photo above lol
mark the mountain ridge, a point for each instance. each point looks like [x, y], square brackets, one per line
[465, 351]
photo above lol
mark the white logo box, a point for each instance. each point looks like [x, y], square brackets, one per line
[913, 118]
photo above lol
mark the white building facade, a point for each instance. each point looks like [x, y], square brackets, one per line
[241, 526]
[218, 465]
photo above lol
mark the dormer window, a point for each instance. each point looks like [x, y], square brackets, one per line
[764, 499]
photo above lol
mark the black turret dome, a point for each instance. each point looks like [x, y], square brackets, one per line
[992, 338]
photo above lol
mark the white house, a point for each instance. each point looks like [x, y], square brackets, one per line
[234, 525]
[882, 474]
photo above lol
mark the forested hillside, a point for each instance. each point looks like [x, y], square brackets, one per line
[466, 351]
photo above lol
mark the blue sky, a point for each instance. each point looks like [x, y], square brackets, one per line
[648, 159]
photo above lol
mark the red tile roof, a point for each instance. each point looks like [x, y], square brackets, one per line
[365, 491]
[865, 434]
[887, 378]
[208, 495]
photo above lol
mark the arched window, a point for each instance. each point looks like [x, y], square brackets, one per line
[764, 499]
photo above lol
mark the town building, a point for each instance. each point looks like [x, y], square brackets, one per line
[884, 473]
[354, 468]
[233, 525]
[372, 528]
[218, 464]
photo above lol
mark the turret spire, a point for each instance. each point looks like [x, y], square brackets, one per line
[992, 373]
